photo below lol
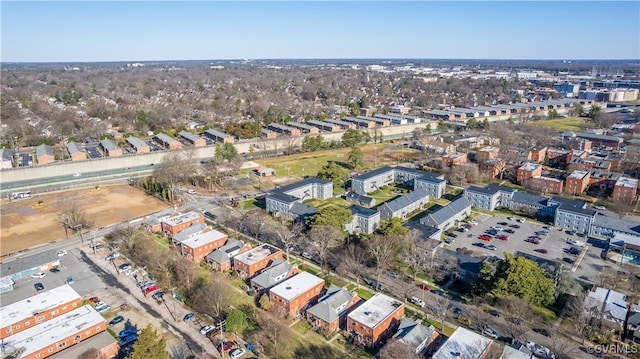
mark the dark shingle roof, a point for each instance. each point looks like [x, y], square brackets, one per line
[354, 197]
[267, 278]
[406, 200]
[327, 305]
[529, 199]
[571, 209]
[302, 210]
[445, 213]
[221, 255]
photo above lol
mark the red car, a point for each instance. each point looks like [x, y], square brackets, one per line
[423, 287]
[484, 237]
[94, 299]
[502, 237]
[227, 346]
[541, 250]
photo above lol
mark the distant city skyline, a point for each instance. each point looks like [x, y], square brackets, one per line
[154, 31]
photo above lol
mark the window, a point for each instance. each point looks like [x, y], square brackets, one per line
[55, 312]
[50, 350]
[62, 345]
[17, 326]
[27, 323]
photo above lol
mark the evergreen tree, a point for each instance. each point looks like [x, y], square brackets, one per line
[149, 345]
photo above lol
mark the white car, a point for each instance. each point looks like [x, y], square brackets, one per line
[191, 191]
[491, 333]
[62, 253]
[237, 353]
[576, 243]
[206, 329]
[521, 220]
[475, 223]
[416, 301]
[601, 208]
[38, 275]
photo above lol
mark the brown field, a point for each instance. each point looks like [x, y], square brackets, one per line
[25, 225]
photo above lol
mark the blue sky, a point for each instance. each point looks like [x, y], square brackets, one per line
[151, 30]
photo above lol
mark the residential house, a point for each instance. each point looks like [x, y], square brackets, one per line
[220, 259]
[294, 294]
[219, 136]
[577, 182]
[364, 220]
[625, 189]
[487, 153]
[173, 225]
[373, 180]
[330, 314]
[359, 122]
[402, 206]
[343, 125]
[167, 141]
[538, 153]
[360, 200]
[273, 275]
[111, 148]
[138, 145]
[448, 216]
[612, 305]
[492, 168]
[375, 320]
[489, 197]
[39, 308]
[454, 159]
[153, 222]
[324, 126]
[75, 152]
[198, 246]
[251, 262]
[193, 139]
[44, 154]
[268, 134]
[464, 343]
[287, 200]
[416, 336]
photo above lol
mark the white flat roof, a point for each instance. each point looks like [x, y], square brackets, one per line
[16, 312]
[256, 254]
[375, 310]
[578, 174]
[203, 238]
[54, 330]
[189, 216]
[296, 285]
[465, 342]
[627, 182]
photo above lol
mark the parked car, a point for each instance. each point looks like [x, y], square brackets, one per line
[601, 208]
[494, 313]
[521, 220]
[439, 292]
[112, 256]
[237, 353]
[464, 320]
[569, 260]
[516, 226]
[55, 270]
[417, 301]
[449, 240]
[158, 295]
[69, 280]
[94, 299]
[473, 222]
[575, 242]
[62, 253]
[484, 237]
[393, 274]
[491, 333]
[541, 250]
[127, 332]
[491, 247]
[124, 267]
[206, 329]
[188, 317]
[38, 275]
[103, 308]
[479, 244]
[150, 289]
[510, 218]
[503, 237]
[509, 230]
[116, 320]
[38, 286]
[423, 287]
[130, 339]
[226, 346]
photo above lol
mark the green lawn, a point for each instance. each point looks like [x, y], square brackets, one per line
[384, 194]
[364, 294]
[563, 124]
[250, 204]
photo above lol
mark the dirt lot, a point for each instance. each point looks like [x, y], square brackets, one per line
[25, 224]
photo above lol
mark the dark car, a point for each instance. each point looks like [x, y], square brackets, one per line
[569, 260]
[479, 244]
[54, 270]
[503, 223]
[158, 295]
[541, 250]
[542, 331]
[515, 226]
[116, 320]
[128, 332]
[187, 318]
[38, 286]
[509, 230]
[439, 292]
[494, 313]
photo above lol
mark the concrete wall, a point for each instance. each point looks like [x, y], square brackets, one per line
[68, 168]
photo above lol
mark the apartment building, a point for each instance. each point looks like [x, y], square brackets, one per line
[454, 159]
[577, 182]
[294, 294]
[625, 189]
[448, 216]
[330, 314]
[538, 153]
[364, 220]
[435, 186]
[276, 273]
[489, 197]
[251, 262]
[419, 338]
[198, 246]
[464, 343]
[402, 206]
[286, 130]
[138, 145]
[529, 170]
[324, 126]
[75, 152]
[44, 306]
[574, 218]
[375, 320]
[544, 184]
[373, 180]
[44, 154]
[487, 153]
[167, 141]
[193, 139]
[220, 259]
[219, 136]
[304, 128]
[287, 200]
[173, 225]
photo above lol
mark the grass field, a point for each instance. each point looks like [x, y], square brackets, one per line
[563, 124]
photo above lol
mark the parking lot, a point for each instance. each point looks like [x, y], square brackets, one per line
[93, 152]
[552, 246]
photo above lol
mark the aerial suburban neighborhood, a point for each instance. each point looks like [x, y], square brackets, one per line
[319, 208]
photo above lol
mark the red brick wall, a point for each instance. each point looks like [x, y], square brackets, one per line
[70, 341]
[40, 318]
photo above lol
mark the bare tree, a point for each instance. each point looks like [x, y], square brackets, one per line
[397, 349]
[560, 347]
[517, 312]
[411, 254]
[353, 262]
[323, 239]
[382, 249]
[287, 235]
[441, 305]
[177, 167]
[255, 221]
[184, 272]
[210, 297]
[72, 214]
[274, 334]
